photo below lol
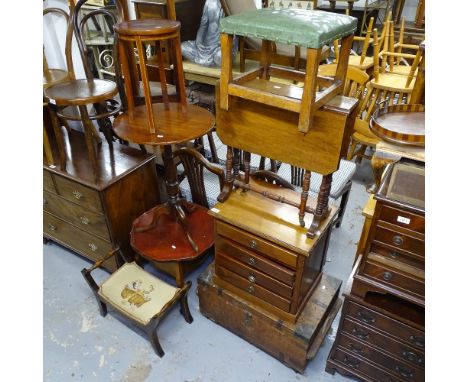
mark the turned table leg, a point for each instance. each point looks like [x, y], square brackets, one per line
[322, 205]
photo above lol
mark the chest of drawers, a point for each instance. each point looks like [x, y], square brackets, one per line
[263, 255]
[93, 218]
[381, 332]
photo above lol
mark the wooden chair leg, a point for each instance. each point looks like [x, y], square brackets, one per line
[214, 153]
[352, 149]
[343, 203]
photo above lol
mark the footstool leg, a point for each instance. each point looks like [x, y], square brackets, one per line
[102, 308]
[153, 336]
[184, 309]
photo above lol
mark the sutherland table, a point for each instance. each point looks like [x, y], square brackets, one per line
[264, 255]
[93, 218]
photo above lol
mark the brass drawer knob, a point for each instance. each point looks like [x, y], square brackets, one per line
[93, 247]
[251, 261]
[397, 240]
[356, 349]
[77, 194]
[253, 244]
[387, 276]
[84, 220]
[394, 254]
[412, 357]
[52, 227]
[359, 333]
[418, 341]
[251, 278]
[251, 289]
[351, 362]
[364, 317]
[404, 371]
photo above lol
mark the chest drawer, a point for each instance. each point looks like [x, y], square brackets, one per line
[361, 367]
[399, 330]
[254, 276]
[258, 245]
[397, 255]
[400, 241]
[90, 221]
[402, 218]
[79, 194]
[403, 370]
[253, 289]
[81, 241]
[376, 339]
[48, 182]
[255, 261]
[394, 278]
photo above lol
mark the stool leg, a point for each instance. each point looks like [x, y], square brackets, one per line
[153, 336]
[184, 308]
[88, 131]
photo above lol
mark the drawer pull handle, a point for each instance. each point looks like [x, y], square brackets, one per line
[356, 349]
[93, 247]
[412, 357]
[52, 227]
[394, 254]
[352, 362]
[251, 289]
[387, 276]
[77, 194]
[84, 220]
[253, 244]
[361, 334]
[404, 372]
[397, 240]
[418, 341]
[251, 278]
[251, 261]
[364, 317]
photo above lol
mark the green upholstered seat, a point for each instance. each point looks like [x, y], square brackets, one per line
[307, 28]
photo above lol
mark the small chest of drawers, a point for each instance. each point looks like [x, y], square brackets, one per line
[381, 332]
[94, 218]
[264, 256]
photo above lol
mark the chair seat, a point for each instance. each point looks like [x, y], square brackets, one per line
[81, 92]
[53, 76]
[340, 178]
[403, 70]
[363, 133]
[356, 62]
[136, 293]
[392, 82]
[311, 29]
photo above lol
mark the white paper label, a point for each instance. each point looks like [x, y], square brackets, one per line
[215, 210]
[402, 219]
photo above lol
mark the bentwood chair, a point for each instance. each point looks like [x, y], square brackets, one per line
[139, 296]
[89, 99]
[51, 77]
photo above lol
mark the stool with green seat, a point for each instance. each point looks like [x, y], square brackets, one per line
[301, 125]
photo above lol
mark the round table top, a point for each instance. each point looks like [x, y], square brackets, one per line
[166, 240]
[400, 124]
[177, 124]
